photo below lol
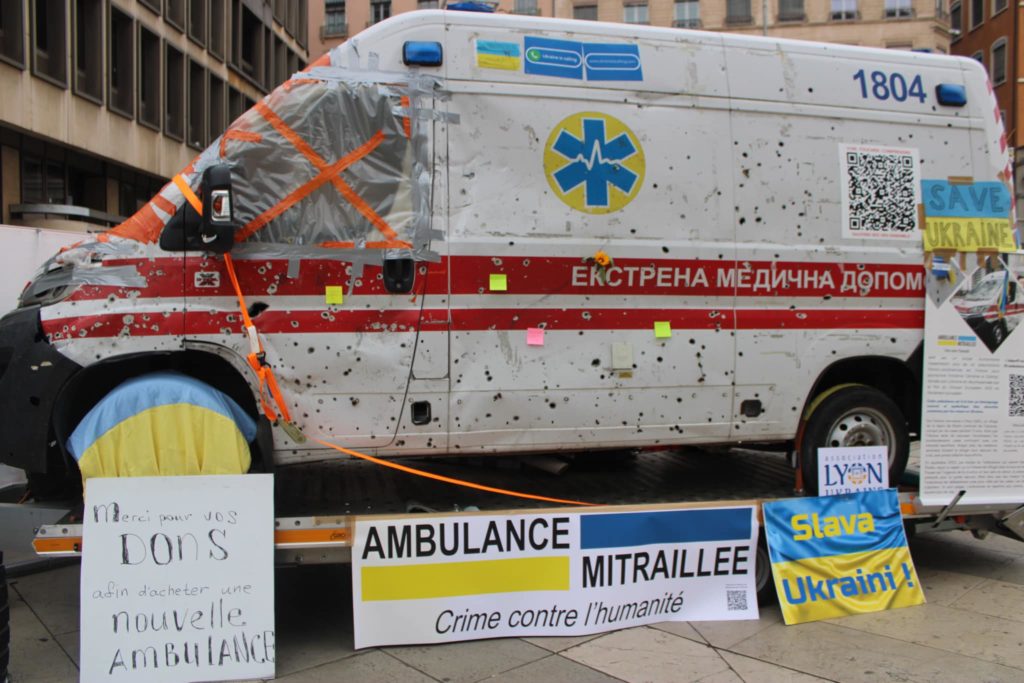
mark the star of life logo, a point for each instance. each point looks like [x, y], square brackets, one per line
[594, 163]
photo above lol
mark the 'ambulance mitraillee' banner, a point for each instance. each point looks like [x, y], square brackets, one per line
[838, 555]
[463, 577]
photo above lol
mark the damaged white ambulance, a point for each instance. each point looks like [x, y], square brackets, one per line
[466, 233]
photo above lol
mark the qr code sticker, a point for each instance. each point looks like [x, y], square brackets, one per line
[736, 601]
[1016, 395]
[881, 189]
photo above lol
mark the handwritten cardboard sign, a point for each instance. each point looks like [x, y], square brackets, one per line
[178, 579]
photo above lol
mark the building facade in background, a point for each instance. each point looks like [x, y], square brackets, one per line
[987, 30]
[104, 100]
[900, 24]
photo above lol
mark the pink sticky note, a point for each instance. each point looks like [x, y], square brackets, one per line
[535, 336]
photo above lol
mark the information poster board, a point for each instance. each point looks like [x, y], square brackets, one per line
[462, 577]
[178, 579]
[972, 438]
[838, 555]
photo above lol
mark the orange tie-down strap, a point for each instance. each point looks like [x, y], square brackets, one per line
[446, 480]
[267, 381]
[335, 179]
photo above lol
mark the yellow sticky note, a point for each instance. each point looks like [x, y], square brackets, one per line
[334, 295]
[662, 329]
[499, 282]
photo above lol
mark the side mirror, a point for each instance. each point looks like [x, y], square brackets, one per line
[214, 231]
[217, 233]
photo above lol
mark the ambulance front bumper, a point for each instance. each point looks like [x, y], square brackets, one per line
[31, 376]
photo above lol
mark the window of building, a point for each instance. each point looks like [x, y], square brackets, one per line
[302, 36]
[151, 4]
[121, 63]
[998, 6]
[236, 105]
[526, 7]
[216, 28]
[218, 107]
[898, 9]
[43, 179]
[940, 8]
[280, 11]
[686, 14]
[585, 12]
[379, 10]
[956, 20]
[49, 44]
[977, 13]
[86, 181]
[791, 10]
[197, 109]
[88, 48]
[979, 57]
[174, 13]
[149, 107]
[280, 62]
[247, 43]
[335, 23]
[426, 4]
[174, 92]
[267, 78]
[999, 62]
[294, 65]
[635, 14]
[12, 38]
[197, 15]
[844, 10]
[738, 12]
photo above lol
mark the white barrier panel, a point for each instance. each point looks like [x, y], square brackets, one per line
[22, 251]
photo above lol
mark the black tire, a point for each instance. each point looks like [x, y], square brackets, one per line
[5, 623]
[853, 415]
[764, 582]
[998, 332]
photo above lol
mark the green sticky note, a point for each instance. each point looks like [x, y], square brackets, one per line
[662, 329]
[334, 295]
[499, 282]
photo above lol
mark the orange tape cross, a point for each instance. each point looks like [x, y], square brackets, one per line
[333, 177]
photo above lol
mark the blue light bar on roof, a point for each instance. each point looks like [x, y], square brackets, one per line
[422, 53]
[472, 7]
[951, 94]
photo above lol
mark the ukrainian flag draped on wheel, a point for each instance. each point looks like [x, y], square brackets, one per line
[163, 424]
[838, 555]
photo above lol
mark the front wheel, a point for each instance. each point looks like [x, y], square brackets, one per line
[853, 415]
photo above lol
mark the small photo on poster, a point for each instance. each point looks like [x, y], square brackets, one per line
[991, 301]
[944, 279]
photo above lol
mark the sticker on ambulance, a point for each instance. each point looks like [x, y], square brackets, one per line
[494, 54]
[594, 162]
[581, 61]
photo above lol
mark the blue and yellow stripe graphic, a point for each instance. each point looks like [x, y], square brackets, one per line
[494, 54]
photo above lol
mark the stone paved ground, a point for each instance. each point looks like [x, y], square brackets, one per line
[972, 629]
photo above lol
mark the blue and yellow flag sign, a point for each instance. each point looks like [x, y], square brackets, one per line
[967, 216]
[839, 555]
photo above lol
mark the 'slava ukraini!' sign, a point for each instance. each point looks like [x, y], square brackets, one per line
[462, 577]
[178, 579]
[839, 555]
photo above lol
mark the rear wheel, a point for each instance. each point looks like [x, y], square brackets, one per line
[853, 415]
[763, 580]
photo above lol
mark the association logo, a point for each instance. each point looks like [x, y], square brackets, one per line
[594, 162]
